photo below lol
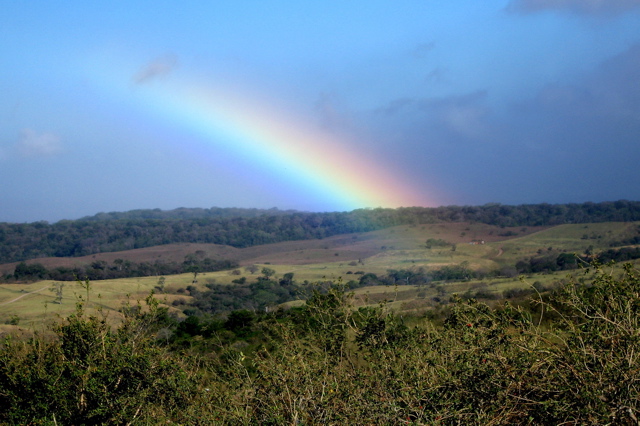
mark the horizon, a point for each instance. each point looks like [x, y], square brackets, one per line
[286, 211]
[316, 107]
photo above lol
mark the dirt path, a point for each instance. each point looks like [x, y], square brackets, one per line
[500, 251]
[26, 294]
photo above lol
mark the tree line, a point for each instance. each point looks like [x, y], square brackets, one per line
[119, 268]
[110, 232]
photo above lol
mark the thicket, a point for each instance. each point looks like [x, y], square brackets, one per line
[81, 371]
[570, 358]
[554, 260]
[265, 292]
[257, 295]
[109, 232]
[619, 255]
[102, 270]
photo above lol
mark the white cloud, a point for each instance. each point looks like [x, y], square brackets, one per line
[590, 7]
[33, 144]
[157, 68]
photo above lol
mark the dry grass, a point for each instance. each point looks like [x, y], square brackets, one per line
[401, 247]
[348, 247]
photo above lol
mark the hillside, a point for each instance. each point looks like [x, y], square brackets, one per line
[345, 248]
[240, 229]
[428, 274]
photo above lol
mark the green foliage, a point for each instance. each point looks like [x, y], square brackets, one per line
[240, 322]
[31, 272]
[620, 255]
[100, 270]
[550, 262]
[268, 272]
[484, 366]
[437, 242]
[89, 373]
[568, 357]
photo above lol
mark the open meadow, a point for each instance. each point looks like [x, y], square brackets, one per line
[343, 258]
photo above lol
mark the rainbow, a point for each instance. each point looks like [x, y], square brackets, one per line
[274, 144]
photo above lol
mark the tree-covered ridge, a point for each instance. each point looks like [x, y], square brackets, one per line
[186, 213]
[141, 229]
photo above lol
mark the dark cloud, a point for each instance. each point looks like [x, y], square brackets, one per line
[607, 99]
[604, 104]
[157, 68]
[573, 141]
[463, 115]
[578, 137]
[590, 7]
[457, 116]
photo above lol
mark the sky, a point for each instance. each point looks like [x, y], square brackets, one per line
[315, 106]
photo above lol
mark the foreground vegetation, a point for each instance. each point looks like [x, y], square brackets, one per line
[569, 356]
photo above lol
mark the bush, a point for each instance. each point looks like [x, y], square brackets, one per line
[485, 365]
[89, 373]
[568, 357]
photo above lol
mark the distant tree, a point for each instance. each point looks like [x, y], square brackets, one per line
[268, 272]
[118, 263]
[99, 264]
[287, 278]
[161, 284]
[57, 289]
[251, 269]
[369, 279]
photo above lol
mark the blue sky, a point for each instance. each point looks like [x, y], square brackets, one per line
[466, 101]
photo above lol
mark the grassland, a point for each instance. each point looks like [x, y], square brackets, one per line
[477, 246]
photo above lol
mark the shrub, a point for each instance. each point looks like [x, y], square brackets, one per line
[89, 373]
[567, 357]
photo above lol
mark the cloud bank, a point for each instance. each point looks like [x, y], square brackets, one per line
[577, 135]
[587, 7]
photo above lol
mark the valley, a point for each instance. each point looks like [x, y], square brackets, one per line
[491, 252]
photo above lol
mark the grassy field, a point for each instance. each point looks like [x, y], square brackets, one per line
[478, 246]
[569, 238]
[340, 247]
[32, 303]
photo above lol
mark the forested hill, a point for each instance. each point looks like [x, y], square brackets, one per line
[109, 232]
[187, 213]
